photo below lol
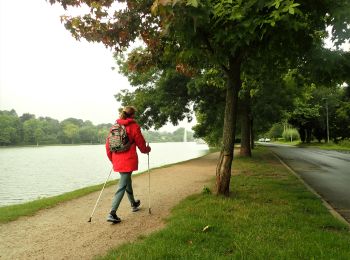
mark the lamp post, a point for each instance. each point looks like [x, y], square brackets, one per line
[327, 122]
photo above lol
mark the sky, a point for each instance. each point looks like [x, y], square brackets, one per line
[46, 72]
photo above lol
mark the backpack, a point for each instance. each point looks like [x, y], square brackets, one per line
[118, 139]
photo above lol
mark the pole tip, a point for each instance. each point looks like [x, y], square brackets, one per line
[89, 219]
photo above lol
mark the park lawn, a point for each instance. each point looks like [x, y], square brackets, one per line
[270, 214]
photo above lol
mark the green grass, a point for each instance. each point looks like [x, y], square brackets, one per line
[269, 215]
[328, 146]
[342, 146]
[13, 212]
[287, 142]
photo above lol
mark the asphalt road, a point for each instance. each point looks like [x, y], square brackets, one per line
[327, 172]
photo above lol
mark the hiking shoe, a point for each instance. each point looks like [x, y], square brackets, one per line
[113, 218]
[135, 205]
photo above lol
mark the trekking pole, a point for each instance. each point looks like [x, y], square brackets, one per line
[149, 186]
[93, 211]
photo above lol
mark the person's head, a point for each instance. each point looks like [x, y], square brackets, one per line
[127, 112]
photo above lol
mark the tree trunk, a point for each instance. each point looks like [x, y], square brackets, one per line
[302, 134]
[252, 133]
[308, 134]
[223, 169]
[245, 126]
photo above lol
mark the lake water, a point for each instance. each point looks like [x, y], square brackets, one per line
[29, 173]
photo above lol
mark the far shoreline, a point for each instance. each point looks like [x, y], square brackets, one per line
[80, 144]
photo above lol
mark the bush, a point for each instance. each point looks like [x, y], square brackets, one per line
[345, 143]
[275, 131]
[291, 133]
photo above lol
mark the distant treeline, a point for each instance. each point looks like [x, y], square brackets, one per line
[29, 130]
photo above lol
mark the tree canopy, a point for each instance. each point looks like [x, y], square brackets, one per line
[192, 37]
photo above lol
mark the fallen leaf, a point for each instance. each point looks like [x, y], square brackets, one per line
[205, 228]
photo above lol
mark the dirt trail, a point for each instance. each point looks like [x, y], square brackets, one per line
[64, 233]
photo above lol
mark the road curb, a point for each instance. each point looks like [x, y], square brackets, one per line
[325, 203]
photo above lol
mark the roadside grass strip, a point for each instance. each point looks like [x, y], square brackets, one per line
[345, 146]
[269, 215]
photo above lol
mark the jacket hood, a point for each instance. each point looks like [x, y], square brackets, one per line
[127, 121]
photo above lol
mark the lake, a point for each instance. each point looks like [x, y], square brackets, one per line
[29, 173]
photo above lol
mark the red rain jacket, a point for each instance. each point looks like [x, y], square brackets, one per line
[128, 161]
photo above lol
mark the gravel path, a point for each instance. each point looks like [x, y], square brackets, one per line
[64, 233]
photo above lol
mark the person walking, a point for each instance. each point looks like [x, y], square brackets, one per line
[126, 162]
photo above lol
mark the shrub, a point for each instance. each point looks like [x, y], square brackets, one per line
[345, 143]
[291, 134]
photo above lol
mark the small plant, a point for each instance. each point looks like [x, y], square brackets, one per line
[206, 190]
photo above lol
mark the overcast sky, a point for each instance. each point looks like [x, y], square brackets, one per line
[46, 72]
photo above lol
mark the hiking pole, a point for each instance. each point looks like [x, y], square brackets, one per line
[93, 211]
[149, 186]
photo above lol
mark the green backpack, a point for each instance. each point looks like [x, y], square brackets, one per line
[118, 139]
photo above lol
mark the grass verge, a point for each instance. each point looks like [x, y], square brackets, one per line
[342, 146]
[269, 214]
[325, 146]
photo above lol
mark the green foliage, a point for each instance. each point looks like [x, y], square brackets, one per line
[340, 117]
[161, 95]
[276, 131]
[310, 112]
[71, 131]
[271, 93]
[33, 132]
[206, 190]
[291, 134]
[191, 37]
[88, 134]
[176, 136]
[27, 129]
[50, 131]
[345, 143]
[10, 127]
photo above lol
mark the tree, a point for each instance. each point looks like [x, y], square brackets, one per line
[51, 128]
[166, 100]
[102, 132]
[276, 131]
[212, 34]
[9, 128]
[26, 116]
[71, 131]
[32, 130]
[88, 134]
